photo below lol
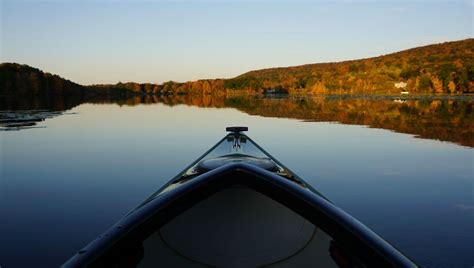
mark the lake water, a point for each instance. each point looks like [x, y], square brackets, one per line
[404, 167]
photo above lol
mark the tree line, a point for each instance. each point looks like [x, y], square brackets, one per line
[439, 68]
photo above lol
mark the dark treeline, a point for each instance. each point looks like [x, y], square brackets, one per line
[210, 86]
[18, 80]
[22, 80]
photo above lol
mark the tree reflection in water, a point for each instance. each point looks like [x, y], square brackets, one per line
[445, 118]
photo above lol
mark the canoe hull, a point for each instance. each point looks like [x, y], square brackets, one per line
[123, 243]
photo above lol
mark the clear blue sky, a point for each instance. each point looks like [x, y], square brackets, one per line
[155, 41]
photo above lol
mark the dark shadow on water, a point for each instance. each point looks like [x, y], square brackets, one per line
[24, 119]
[438, 117]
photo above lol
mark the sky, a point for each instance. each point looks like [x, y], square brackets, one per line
[107, 41]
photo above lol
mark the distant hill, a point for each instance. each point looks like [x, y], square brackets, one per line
[16, 79]
[439, 68]
[23, 80]
[446, 67]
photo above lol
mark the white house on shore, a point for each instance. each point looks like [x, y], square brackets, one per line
[402, 85]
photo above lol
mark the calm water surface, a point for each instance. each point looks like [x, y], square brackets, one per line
[67, 179]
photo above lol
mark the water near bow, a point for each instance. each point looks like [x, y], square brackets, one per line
[404, 167]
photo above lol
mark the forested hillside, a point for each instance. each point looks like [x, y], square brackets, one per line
[446, 67]
[439, 68]
[16, 79]
[23, 80]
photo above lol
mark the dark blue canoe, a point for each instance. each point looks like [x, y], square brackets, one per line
[237, 206]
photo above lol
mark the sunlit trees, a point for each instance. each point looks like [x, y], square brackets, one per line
[429, 68]
[447, 67]
[437, 84]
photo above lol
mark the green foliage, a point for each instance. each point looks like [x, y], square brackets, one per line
[408, 73]
[470, 73]
[301, 82]
[445, 71]
[425, 82]
[463, 77]
[353, 68]
[242, 82]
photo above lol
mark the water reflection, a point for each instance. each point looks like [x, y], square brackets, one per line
[24, 119]
[444, 118]
[67, 183]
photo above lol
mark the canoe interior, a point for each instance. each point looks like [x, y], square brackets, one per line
[238, 227]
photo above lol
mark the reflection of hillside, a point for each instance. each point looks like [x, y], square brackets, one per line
[53, 103]
[446, 119]
[24, 113]
[440, 119]
[194, 100]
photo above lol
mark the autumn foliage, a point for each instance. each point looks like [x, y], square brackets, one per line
[439, 68]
